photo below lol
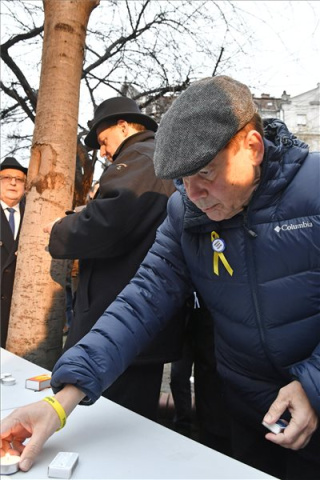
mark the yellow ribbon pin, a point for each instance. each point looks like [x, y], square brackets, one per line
[218, 247]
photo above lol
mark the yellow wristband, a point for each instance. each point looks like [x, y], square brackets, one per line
[59, 409]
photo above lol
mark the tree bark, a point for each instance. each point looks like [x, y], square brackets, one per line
[38, 303]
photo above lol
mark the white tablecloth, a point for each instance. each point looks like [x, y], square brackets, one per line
[115, 443]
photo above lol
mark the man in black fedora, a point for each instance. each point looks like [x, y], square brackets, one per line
[111, 237]
[12, 188]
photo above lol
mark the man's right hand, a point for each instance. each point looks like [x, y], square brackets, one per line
[37, 421]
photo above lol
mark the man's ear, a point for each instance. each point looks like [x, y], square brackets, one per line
[124, 127]
[254, 142]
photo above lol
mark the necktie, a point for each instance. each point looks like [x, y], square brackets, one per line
[11, 219]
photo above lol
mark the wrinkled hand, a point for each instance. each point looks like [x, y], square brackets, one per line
[304, 420]
[37, 421]
[48, 227]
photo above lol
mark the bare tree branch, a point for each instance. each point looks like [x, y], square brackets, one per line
[149, 49]
[11, 92]
[4, 54]
[21, 37]
[218, 62]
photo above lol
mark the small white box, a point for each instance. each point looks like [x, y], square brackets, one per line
[277, 427]
[63, 465]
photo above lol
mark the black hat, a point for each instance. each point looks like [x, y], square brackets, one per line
[11, 162]
[117, 108]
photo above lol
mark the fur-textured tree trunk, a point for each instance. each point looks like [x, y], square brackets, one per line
[38, 303]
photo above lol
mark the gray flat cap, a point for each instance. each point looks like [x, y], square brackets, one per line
[199, 124]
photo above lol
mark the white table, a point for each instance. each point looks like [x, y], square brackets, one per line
[17, 395]
[115, 443]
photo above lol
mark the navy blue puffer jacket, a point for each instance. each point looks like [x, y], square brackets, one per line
[266, 314]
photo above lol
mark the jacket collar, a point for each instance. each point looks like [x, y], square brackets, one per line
[136, 137]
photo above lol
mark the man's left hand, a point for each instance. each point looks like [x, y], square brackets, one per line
[48, 228]
[304, 420]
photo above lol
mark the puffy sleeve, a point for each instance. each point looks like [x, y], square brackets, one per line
[159, 289]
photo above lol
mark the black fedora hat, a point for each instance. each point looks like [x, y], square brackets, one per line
[113, 109]
[11, 162]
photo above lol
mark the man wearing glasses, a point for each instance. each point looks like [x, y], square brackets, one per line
[12, 188]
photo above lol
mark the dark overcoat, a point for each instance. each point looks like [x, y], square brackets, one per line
[9, 248]
[111, 237]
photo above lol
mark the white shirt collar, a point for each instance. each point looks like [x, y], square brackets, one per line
[4, 206]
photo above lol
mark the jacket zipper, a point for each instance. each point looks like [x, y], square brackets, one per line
[252, 276]
[253, 286]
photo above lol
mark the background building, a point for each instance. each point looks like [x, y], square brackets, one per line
[301, 114]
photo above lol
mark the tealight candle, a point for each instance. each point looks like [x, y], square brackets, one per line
[8, 380]
[9, 464]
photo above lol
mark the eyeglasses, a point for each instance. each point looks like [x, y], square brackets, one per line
[9, 178]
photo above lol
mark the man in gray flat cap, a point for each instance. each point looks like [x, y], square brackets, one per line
[244, 231]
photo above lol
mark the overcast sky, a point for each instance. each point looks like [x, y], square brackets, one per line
[281, 44]
[286, 55]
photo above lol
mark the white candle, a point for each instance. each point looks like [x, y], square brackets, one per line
[8, 380]
[9, 464]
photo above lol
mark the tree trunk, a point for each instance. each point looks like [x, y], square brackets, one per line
[38, 303]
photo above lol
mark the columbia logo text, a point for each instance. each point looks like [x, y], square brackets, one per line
[286, 227]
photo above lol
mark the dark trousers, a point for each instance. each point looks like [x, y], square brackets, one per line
[181, 371]
[211, 413]
[138, 389]
[250, 447]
